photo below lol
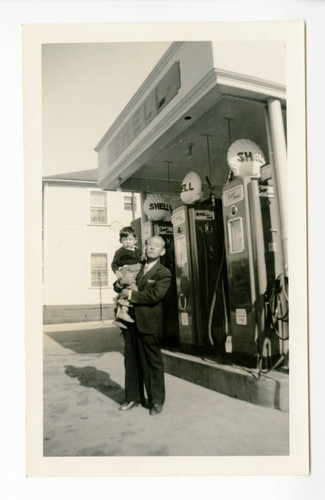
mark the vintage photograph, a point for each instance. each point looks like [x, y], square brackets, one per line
[166, 328]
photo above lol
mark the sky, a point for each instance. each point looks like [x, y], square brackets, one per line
[85, 86]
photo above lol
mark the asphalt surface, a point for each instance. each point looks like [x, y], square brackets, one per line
[84, 386]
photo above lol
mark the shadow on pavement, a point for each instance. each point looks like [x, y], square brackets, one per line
[89, 376]
[90, 341]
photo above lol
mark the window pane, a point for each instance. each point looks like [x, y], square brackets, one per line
[98, 215]
[99, 271]
[128, 204]
[98, 207]
[98, 199]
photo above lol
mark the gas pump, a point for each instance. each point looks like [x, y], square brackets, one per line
[254, 263]
[165, 230]
[199, 240]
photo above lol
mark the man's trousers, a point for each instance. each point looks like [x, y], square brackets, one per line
[143, 365]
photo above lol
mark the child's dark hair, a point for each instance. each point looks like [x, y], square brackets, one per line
[125, 231]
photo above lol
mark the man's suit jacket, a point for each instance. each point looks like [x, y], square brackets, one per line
[152, 287]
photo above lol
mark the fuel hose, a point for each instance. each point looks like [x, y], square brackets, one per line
[213, 302]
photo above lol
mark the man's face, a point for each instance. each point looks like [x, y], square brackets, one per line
[155, 247]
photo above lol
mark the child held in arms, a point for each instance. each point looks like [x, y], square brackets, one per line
[126, 265]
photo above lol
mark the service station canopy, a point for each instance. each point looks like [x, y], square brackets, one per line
[199, 98]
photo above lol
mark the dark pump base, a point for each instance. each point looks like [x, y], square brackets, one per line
[201, 350]
[254, 361]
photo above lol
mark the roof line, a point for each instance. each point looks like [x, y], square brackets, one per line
[50, 179]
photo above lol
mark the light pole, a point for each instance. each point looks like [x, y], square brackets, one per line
[100, 296]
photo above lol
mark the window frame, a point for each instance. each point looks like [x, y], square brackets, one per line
[131, 205]
[103, 208]
[97, 283]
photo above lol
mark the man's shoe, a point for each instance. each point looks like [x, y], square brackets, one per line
[156, 409]
[128, 405]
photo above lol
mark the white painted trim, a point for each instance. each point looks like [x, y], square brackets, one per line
[251, 84]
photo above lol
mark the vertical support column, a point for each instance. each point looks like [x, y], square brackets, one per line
[133, 200]
[143, 216]
[142, 200]
[279, 153]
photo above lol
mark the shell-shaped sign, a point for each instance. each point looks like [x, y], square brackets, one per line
[245, 158]
[191, 188]
[156, 207]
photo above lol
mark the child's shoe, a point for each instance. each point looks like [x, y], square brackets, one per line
[119, 324]
[123, 314]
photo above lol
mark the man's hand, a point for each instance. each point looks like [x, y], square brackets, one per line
[127, 279]
[124, 293]
[118, 274]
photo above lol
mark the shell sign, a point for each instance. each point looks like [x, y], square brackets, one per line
[191, 188]
[156, 207]
[245, 158]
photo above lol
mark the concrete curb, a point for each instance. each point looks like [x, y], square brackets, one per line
[270, 390]
[67, 327]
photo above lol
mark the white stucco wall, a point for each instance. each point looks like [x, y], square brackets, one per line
[70, 239]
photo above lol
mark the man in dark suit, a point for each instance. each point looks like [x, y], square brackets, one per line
[143, 358]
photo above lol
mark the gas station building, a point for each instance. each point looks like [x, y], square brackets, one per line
[228, 246]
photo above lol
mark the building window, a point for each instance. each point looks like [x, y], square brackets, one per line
[98, 207]
[130, 203]
[99, 269]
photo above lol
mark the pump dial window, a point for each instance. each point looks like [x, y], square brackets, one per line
[236, 235]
